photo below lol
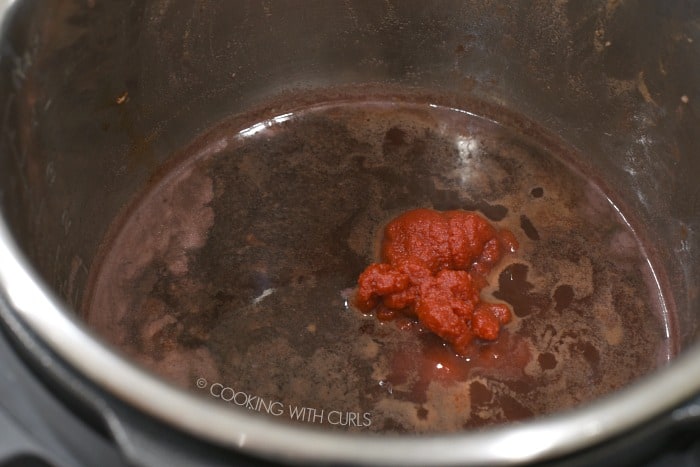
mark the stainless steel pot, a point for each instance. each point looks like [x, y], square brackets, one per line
[619, 81]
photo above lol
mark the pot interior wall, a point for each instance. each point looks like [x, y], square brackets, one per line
[100, 97]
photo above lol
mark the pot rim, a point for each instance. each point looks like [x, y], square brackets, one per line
[37, 307]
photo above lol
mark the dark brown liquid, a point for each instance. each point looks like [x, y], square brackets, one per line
[234, 275]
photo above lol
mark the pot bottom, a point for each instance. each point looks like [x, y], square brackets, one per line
[232, 274]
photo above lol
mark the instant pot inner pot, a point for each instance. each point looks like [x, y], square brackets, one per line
[204, 185]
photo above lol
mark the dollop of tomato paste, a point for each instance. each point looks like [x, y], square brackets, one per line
[433, 268]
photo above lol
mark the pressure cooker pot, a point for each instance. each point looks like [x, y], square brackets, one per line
[399, 233]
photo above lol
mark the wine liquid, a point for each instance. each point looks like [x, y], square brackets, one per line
[233, 275]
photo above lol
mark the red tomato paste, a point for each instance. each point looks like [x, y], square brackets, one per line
[433, 268]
